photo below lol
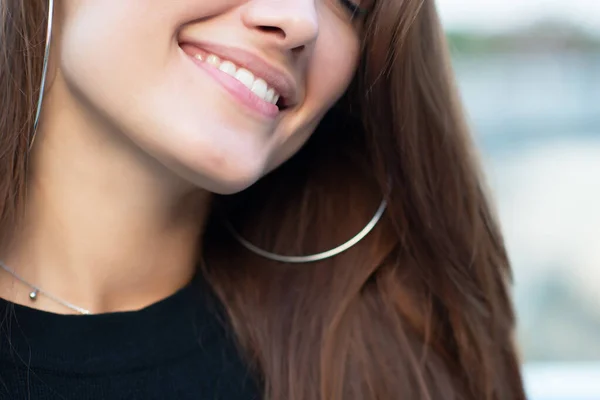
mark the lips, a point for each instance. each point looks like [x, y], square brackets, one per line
[268, 83]
[256, 85]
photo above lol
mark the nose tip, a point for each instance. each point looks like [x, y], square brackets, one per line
[290, 24]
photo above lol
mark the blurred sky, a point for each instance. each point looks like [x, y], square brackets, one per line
[502, 15]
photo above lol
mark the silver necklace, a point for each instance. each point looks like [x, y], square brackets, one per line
[33, 295]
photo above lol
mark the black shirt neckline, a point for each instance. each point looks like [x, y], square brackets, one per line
[165, 330]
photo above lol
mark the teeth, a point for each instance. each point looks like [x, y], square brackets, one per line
[258, 86]
[228, 67]
[245, 76]
[270, 95]
[213, 60]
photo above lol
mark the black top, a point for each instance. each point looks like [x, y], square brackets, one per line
[178, 348]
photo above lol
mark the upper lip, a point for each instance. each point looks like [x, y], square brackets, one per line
[279, 79]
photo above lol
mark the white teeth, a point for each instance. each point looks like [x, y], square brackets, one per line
[258, 86]
[245, 76]
[228, 67]
[269, 96]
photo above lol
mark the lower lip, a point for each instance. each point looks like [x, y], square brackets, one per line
[239, 90]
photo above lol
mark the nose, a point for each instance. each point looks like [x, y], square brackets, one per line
[289, 24]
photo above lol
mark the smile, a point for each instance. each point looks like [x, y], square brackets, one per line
[254, 83]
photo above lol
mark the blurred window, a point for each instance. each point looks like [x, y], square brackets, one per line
[529, 74]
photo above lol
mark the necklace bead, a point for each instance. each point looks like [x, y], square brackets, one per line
[33, 295]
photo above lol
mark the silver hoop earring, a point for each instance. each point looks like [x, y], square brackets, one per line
[44, 71]
[312, 257]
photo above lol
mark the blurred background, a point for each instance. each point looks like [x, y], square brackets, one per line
[529, 73]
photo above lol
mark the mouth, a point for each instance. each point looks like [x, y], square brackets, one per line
[251, 80]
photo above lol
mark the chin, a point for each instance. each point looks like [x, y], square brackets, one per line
[228, 186]
[223, 178]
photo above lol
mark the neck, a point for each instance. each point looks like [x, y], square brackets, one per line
[105, 227]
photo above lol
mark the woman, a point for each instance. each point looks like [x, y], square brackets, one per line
[206, 181]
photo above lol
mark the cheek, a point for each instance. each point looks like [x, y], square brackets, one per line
[331, 69]
[329, 74]
[128, 71]
[100, 47]
[333, 66]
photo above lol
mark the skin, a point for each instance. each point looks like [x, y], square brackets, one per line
[134, 138]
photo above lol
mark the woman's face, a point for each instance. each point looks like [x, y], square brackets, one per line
[194, 83]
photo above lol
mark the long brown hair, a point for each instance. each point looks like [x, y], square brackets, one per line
[420, 309]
